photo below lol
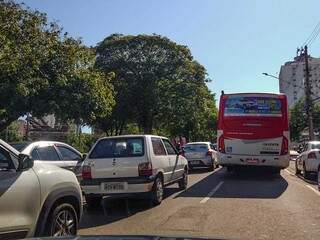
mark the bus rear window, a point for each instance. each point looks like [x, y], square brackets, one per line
[252, 106]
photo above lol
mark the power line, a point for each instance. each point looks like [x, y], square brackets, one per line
[314, 37]
[312, 34]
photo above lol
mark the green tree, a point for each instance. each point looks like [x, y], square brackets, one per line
[44, 72]
[11, 133]
[158, 86]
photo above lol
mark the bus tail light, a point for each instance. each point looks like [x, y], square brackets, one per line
[312, 155]
[284, 146]
[86, 172]
[145, 169]
[221, 146]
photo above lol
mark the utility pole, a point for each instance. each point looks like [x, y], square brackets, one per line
[309, 105]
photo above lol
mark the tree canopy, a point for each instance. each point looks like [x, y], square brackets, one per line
[44, 71]
[158, 86]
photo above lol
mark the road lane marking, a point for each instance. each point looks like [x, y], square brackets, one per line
[212, 192]
[313, 189]
[289, 172]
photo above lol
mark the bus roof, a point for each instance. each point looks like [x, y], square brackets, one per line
[254, 93]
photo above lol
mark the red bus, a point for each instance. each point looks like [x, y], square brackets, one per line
[253, 130]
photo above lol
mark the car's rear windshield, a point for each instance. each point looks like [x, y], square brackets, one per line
[19, 146]
[252, 106]
[196, 148]
[118, 147]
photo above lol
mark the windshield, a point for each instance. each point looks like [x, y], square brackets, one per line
[196, 148]
[171, 118]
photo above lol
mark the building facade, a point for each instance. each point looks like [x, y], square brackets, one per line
[292, 75]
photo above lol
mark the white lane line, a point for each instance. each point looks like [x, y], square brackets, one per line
[289, 172]
[313, 189]
[213, 191]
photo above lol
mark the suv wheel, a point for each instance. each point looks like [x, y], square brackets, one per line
[306, 174]
[157, 191]
[63, 221]
[183, 182]
[213, 166]
[93, 201]
[318, 178]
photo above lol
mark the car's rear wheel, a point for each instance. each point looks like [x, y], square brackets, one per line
[157, 191]
[93, 201]
[183, 182]
[297, 171]
[212, 166]
[306, 174]
[63, 221]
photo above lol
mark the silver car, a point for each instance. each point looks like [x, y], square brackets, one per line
[200, 154]
[56, 153]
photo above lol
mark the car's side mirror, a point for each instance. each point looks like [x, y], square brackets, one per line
[84, 156]
[25, 162]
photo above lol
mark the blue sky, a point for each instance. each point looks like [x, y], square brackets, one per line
[235, 40]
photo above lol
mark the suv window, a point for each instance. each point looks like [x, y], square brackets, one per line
[48, 153]
[68, 154]
[5, 160]
[169, 147]
[157, 146]
[122, 147]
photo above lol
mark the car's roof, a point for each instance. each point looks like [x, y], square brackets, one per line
[198, 143]
[132, 135]
[314, 142]
[10, 148]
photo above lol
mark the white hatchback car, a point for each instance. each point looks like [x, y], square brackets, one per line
[132, 166]
[36, 199]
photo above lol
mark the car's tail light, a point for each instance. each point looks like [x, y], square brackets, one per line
[312, 155]
[209, 153]
[221, 146]
[86, 172]
[145, 169]
[284, 146]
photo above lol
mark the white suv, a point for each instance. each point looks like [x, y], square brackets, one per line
[309, 161]
[36, 199]
[133, 165]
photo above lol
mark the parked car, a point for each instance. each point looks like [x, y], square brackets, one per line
[309, 160]
[293, 155]
[36, 199]
[56, 153]
[201, 154]
[132, 166]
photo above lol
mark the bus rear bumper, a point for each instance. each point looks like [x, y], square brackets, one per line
[249, 160]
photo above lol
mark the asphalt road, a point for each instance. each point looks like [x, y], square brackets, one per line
[218, 204]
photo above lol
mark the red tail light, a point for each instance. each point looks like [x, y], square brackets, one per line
[284, 146]
[209, 153]
[145, 169]
[221, 146]
[312, 155]
[86, 172]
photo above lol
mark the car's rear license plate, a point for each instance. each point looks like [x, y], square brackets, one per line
[195, 162]
[114, 187]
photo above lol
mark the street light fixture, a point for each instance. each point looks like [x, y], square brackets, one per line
[269, 75]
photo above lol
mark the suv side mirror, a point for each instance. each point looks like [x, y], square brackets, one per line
[25, 162]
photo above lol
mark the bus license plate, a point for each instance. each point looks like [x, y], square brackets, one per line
[113, 187]
[255, 161]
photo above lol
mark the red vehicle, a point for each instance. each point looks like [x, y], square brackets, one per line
[253, 129]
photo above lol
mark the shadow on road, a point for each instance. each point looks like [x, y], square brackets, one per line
[112, 210]
[246, 184]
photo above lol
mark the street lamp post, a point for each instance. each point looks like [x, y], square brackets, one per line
[270, 75]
